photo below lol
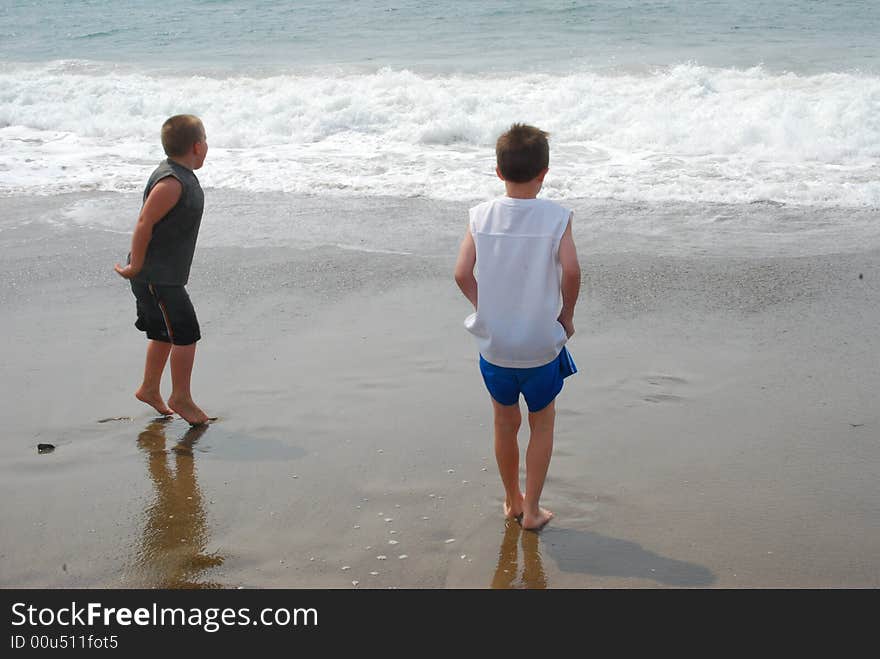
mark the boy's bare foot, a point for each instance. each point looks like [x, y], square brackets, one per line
[154, 399]
[536, 522]
[188, 410]
[514, 511]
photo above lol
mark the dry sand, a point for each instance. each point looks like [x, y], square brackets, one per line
[722, 430]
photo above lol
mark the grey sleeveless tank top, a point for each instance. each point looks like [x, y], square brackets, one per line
[171, 248]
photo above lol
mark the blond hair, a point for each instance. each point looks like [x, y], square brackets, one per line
[180, 132]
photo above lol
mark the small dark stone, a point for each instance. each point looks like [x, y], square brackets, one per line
[861, 276]
[45, 448]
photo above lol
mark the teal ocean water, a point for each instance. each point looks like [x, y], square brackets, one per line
[698, 101]
[801, 36]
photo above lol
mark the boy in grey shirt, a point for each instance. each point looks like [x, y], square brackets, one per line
[162, 248]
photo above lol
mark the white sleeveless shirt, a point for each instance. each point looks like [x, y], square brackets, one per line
[519, 276]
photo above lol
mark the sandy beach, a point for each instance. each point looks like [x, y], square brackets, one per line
[722, 431]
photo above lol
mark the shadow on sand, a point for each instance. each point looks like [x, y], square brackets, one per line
[589, 553]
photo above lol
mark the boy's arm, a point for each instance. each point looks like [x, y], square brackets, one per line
[464, 268]
[162, 198]
[571, 279]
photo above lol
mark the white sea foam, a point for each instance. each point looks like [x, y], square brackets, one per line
[688, 133]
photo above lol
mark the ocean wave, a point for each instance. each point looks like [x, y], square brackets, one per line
[688, 132]
[97, 35]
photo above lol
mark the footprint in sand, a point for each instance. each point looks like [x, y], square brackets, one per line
[665, 385]
[662, 398]
[660, 380]
[430, 365]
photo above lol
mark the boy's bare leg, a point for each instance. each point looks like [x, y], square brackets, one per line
[157, 356]
[537, 461]
[182, 358]
[507, 422]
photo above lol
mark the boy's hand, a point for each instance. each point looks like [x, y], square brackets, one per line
[568, 325]
[571, 279]
[126, 272]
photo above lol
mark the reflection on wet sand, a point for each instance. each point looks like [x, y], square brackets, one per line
[532, 575]
[171, 553]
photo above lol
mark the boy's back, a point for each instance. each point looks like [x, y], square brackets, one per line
[518, 270]
[517, 265]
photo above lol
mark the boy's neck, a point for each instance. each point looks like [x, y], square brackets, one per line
[527, 190]
[183, 162]
[524, 190]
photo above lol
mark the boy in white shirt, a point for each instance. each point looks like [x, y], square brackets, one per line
[524, 292]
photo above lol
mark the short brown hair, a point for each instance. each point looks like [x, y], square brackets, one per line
[180, 132]
[522, 153]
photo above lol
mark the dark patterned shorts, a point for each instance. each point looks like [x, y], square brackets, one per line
[165, 313]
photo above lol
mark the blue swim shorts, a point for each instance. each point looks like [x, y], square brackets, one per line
[539, 385]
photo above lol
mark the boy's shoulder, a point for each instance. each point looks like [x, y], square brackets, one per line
[502, 203]
[164, 169]
[483, 204]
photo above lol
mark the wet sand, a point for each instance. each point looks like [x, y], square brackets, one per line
[722, 430]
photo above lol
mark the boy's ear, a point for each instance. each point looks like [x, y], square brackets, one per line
[541, 176]
[498, 173]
